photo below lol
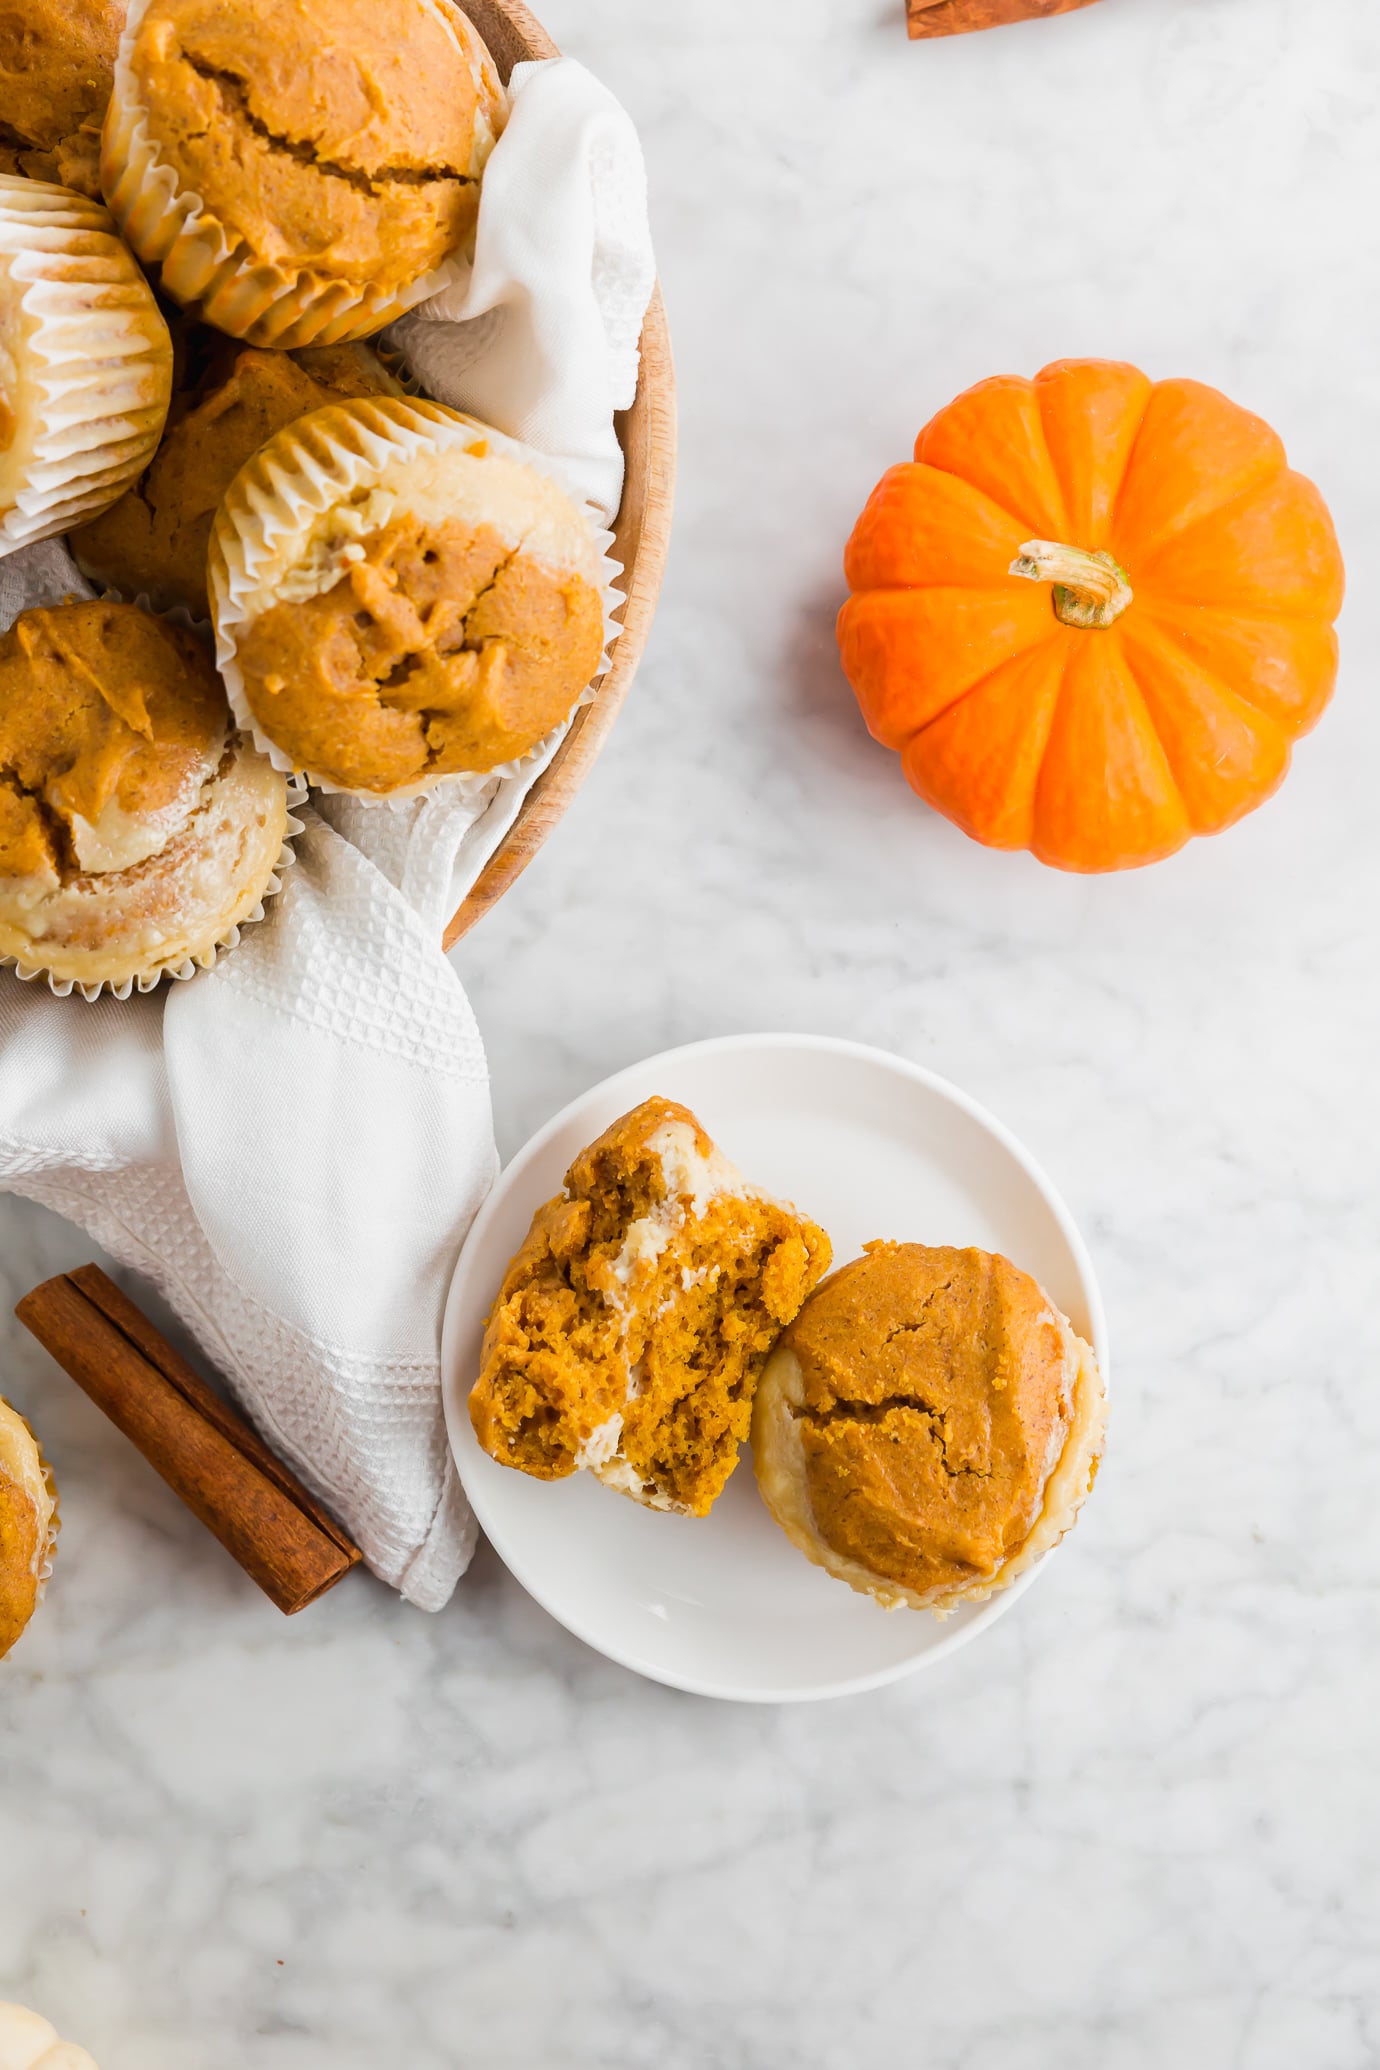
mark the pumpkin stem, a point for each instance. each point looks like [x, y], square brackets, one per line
[1090, 590]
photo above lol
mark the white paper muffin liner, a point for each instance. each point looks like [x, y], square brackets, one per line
[98, 357]
[204, 265]
[397, 432]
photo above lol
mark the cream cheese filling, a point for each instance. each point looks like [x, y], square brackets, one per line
[117, 840]
[692, 1180]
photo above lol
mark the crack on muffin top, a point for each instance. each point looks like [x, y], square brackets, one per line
[234, 97]
[889, 1416]
[442, 647]
[347, 139]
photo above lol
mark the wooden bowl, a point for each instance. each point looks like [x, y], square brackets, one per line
[647, 434]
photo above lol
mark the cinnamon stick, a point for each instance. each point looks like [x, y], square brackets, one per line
[958, 17]
[204, 1450]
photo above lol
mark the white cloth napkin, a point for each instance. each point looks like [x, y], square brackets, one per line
[292, 1145]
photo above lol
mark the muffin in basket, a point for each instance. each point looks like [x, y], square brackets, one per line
[400, 597]
[153, 541]
[630, 1328]
[928, 1426]
[85, 362]
[28, 1528]
[301, 170]
[57, 59]
[138, 830]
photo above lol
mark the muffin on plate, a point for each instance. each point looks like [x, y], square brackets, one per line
[57, 60]
[301, 170]
[631, 1326]
[400, 598]
[928, 1426]
[85, 362]
[138, 830]
[153, 541]
[28, 1528]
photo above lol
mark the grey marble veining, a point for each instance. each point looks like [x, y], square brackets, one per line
[1137, 1823]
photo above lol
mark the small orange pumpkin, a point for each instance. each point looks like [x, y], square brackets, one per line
[1093, 613]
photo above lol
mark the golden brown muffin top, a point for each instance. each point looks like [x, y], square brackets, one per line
[934, 1405]
[440, 649]
[341, 136]
[110, 721]
[153, 540]
[57, 58]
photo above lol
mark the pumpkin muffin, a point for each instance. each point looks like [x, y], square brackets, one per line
[301, 170]
[630, 1328]
[137, 829]
[153, 541]
[400, 597]
[57, 60]
[28, 1526]
[85, 362]
[928, 1426]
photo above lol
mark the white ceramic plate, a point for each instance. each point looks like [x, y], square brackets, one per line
[866, 1144]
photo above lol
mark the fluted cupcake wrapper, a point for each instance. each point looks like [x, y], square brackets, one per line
[96, 333]
[204, 264]
[248, 524]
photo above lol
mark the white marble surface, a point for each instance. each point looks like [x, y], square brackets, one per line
[1137, 1824]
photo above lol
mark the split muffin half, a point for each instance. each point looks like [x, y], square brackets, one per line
[631, 1327]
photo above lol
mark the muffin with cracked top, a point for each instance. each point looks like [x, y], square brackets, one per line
[928, 1426]
[302, 171]
[402, 598]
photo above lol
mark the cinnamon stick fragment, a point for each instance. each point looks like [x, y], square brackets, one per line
[207, 1454]
[958, 17]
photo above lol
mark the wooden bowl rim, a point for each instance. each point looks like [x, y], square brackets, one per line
[647, 434]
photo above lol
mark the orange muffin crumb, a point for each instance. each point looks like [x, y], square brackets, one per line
[632, 1325]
